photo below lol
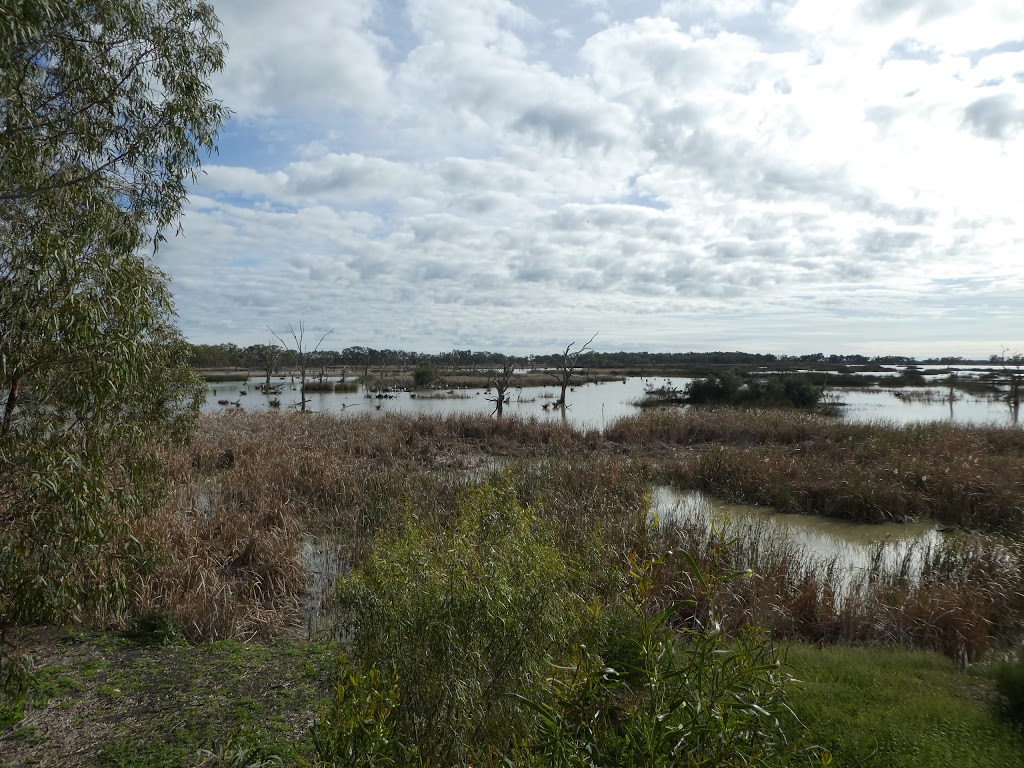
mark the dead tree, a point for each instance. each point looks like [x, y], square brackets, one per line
[500, 381]
[302, 354]
[1013, 367]
[567, 366]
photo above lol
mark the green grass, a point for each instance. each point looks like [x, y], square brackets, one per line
[892, 709]
[104, 700]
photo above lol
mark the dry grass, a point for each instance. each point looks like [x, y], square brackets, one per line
[961, 597]
[224, 571]
[251, 485]
[967, 476]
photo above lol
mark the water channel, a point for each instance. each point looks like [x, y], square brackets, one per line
[851, 546]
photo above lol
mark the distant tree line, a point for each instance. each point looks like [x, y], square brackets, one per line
[364, 359]
[354, 358]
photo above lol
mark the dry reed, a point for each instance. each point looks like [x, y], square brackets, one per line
[251, 484]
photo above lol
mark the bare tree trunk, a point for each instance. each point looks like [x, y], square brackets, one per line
[501, 381]
[569, 364]
[303, 356]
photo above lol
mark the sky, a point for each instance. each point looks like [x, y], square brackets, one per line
[789, 176]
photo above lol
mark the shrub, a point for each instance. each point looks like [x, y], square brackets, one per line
[716, 388]
[479, 645]
[425, 375]
[662, 697]
[356, 727]
[1010, 684]
[728, 389]
[461, 619]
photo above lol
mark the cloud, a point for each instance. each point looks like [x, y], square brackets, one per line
[711, 172]
[322, 59]
[994, 117]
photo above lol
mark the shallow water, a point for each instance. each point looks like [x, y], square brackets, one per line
[596, 406]
[852, 545]
[590, 406]
[866, 405]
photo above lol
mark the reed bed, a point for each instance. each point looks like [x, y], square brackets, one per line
[962, 598]
[251, 485]
[965, 476]
[222, 571]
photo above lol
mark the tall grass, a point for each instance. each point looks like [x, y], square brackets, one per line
[251, 484]
[966, 476]
[961, 597]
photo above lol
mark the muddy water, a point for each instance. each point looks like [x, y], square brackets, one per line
[851, 545]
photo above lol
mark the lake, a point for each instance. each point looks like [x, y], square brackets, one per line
[595, 406]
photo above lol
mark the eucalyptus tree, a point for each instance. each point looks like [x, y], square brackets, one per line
[105, 111]
[267, 358]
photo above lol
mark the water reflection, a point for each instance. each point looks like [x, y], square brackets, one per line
[853, 546]
[912, 405]
[595, 406]
[590, 406]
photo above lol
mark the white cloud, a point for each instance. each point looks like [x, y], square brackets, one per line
[319, 59]
[708, 173]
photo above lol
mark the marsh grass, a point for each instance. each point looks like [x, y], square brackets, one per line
[965, 476]
[229, 537]
[251, 485]
[960, 597]
[221, 571]
[228, 548]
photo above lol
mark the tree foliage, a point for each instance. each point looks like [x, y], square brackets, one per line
[105, 111]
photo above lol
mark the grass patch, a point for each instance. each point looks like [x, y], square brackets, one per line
[107, 700]
[891, 709]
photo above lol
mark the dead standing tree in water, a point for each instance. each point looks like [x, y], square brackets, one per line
[567, 366]
[1013, 368]
[302, 355]
[501, 381]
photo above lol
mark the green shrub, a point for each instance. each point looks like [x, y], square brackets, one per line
[1010, 684]
[356, 727]
[715, 388]
[652, 695]
[463, 618]
[425, 375]
[729, 389]
[484, 643]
